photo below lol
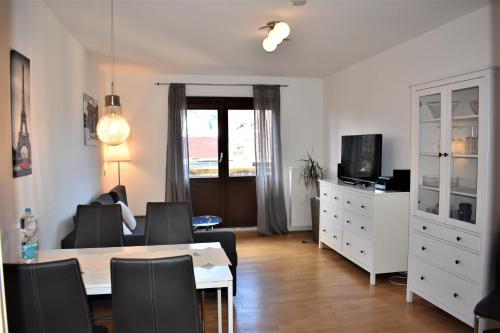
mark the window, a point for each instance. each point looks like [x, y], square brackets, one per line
[221, 137]
[241, 143]
[203, 137]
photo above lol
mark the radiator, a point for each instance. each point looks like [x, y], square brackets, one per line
[300, 202]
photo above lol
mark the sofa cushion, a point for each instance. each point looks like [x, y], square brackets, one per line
[104, 199]
[127, 216]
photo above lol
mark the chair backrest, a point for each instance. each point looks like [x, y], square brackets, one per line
[169, 223]
[154, 295]
[46, 297]
[98, 226]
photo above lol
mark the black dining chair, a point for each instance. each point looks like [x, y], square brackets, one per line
[489, 306]
[154, 295]
[47, 297]
[98, 226]
[169, 223]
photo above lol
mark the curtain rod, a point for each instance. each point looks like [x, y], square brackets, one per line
[216, 84]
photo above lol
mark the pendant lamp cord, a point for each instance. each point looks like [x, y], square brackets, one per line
[112, 49]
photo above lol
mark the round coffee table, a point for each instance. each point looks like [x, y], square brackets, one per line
[206, 221]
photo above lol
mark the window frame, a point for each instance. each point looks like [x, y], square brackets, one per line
[222, 104]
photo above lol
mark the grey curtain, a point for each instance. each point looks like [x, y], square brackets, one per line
[271, 211]
[177, 183]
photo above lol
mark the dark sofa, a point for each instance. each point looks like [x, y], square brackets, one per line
[226, 238]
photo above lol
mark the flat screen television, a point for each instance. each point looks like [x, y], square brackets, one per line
[361, 158]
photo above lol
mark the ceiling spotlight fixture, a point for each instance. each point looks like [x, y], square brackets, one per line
[278, 32]
[298, 2]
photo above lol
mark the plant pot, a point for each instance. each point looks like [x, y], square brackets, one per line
[315, 218]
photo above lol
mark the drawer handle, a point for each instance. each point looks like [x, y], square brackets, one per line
[422, 278]
[349, 222]
[363, 206]
[459, 238]
[457, 262]
[324, 230]
[362, 251]
[424, 248]
[424, 228]
[455, 295]
[363, 228]
[348, 202]
[325, 194]
[324, 211]
[336, 216]
[348, 244]
[334, 237]
[336, 198]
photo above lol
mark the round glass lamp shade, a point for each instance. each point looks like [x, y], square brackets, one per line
[282, 30]
[275, 37]
[112, 128]
[269, 45]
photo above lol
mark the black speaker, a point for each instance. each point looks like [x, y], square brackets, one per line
[401, 180]
[339, 171]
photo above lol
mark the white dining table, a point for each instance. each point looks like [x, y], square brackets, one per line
[211, 267]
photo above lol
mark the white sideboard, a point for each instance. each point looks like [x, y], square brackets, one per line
[366, 226]
[454, 214]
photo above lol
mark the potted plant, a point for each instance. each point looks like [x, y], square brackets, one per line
[310, 173]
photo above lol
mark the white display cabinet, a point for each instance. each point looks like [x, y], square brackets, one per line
[453, 212]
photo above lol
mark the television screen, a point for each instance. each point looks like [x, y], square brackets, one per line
[361, 157]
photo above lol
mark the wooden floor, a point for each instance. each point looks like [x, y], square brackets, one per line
[286, 285]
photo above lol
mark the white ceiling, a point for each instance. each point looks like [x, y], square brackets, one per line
[221, 36]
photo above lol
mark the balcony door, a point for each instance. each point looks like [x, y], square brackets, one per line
[222, 159]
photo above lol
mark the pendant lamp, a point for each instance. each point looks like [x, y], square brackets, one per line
[112, 128]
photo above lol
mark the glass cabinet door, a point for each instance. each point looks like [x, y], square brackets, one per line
[463, 164]
[429, 153]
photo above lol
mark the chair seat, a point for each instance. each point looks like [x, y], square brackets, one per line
[489, 307]
[100, 329]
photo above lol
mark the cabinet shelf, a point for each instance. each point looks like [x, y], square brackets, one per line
[465, 192]
[470, 117]
[433, 120]
[430, 188]
[463, 156]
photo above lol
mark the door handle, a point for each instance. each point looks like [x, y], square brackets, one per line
[221, 155]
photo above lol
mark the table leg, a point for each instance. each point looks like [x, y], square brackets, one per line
[219, 309]
[203, 310]
[230, 324]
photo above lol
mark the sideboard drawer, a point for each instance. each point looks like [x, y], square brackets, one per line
[428, 228]
[331, 213]
[454, 236]
[357, 248]
[428, 249]
[358, 204]
[325, 193]
[429, 279]
[461, 238]
[361, 225]
[456, 260]
[336, 197]
[336, 237]
[462, 295]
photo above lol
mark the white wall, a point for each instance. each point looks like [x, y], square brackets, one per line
[145, 106]
[373, 96]
[65, 172]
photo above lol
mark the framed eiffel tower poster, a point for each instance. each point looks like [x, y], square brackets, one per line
[20, 109]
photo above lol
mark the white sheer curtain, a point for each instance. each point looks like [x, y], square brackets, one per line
[177, 180]
[271, 211]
